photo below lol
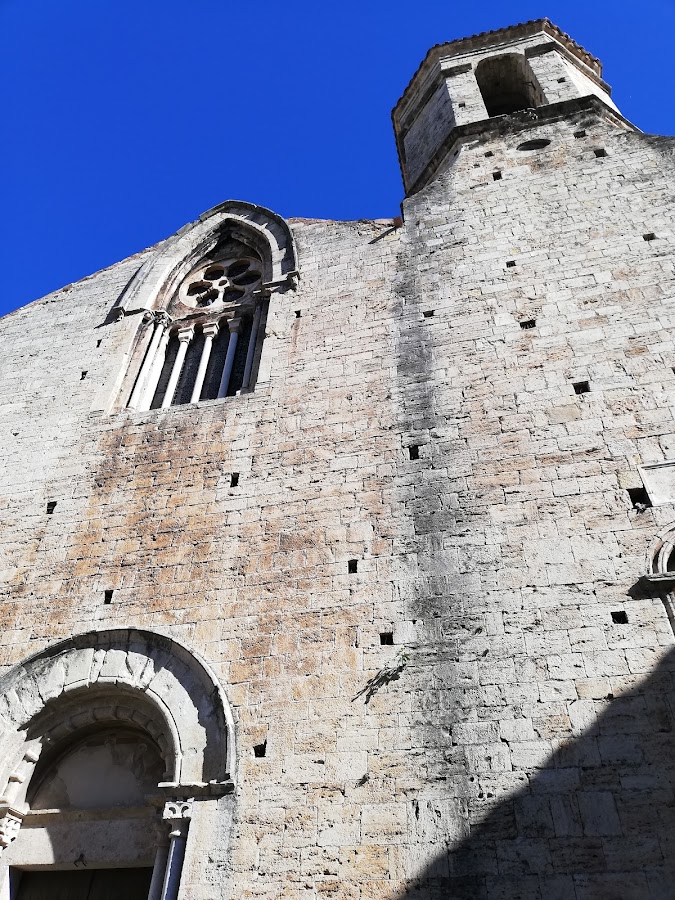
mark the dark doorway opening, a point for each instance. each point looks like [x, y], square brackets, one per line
[94, 884]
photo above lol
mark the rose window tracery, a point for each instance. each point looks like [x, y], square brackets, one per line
[221, 283]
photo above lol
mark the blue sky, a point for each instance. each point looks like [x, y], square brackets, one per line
[125, 119]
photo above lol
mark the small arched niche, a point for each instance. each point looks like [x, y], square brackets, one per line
[508, 84]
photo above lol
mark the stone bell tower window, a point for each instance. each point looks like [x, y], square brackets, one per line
[507, 84]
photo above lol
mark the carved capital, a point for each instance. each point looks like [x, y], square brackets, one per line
[210, 330]
[185, 334]
[234, 325]
[177, 813]
[163, 318]
[177, 810]
[10, 823]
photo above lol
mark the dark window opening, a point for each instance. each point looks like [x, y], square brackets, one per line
[414, 451]
[600, 152]
[538, 144]
[528, 323]
[260, 750]
[639, 498]
[649, 237]
[386, 638]
[581, 387]
[99, 342]
[497, 176]
[234, 479]
[51, 506]
[620, 617]
[507, 84]
[352, 566]
[107, 597]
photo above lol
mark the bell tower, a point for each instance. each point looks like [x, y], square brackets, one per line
[531, 72]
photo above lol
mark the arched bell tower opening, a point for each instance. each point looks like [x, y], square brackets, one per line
[110, 741]
[507, 84]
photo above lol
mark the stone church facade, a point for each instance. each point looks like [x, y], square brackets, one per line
[337, 557]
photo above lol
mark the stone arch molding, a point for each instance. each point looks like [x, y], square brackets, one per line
[126, 676]
[153, 285]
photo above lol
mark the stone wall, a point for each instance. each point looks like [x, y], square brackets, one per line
[461, 716]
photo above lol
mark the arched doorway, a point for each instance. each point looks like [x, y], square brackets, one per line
[109, 742]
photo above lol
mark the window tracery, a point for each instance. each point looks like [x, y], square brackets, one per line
[205, 346]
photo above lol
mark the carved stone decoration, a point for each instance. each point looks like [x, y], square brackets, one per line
[130, 676]
[176, 810]
[10, 823]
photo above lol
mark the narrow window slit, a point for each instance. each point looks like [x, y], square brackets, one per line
[386, 638]
[234, 479]
[51, 506]
[83, 375]
[107, 597]
[352, 566]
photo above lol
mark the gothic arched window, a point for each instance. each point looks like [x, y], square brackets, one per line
[195, 311]
[205, 347]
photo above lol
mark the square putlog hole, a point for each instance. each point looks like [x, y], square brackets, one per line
[352, 566]
[528, 323]
[600, 152]
[620, 617]
[414, 451]
[581, 387]
[107, 597]
[386, 638]
[260, 750]
[234, 479]
[51, 506]
[496, 176]
[650, 236]
[639, 498]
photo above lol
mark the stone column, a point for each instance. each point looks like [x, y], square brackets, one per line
[209, 332]
[184, 338]
[178, 814]
[154, 368]
[251, 345]
[137, 392]
[234, 325]
[159, 871]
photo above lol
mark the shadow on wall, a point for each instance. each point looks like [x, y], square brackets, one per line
[596, 822]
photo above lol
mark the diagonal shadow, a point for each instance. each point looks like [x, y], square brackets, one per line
[596, 822]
